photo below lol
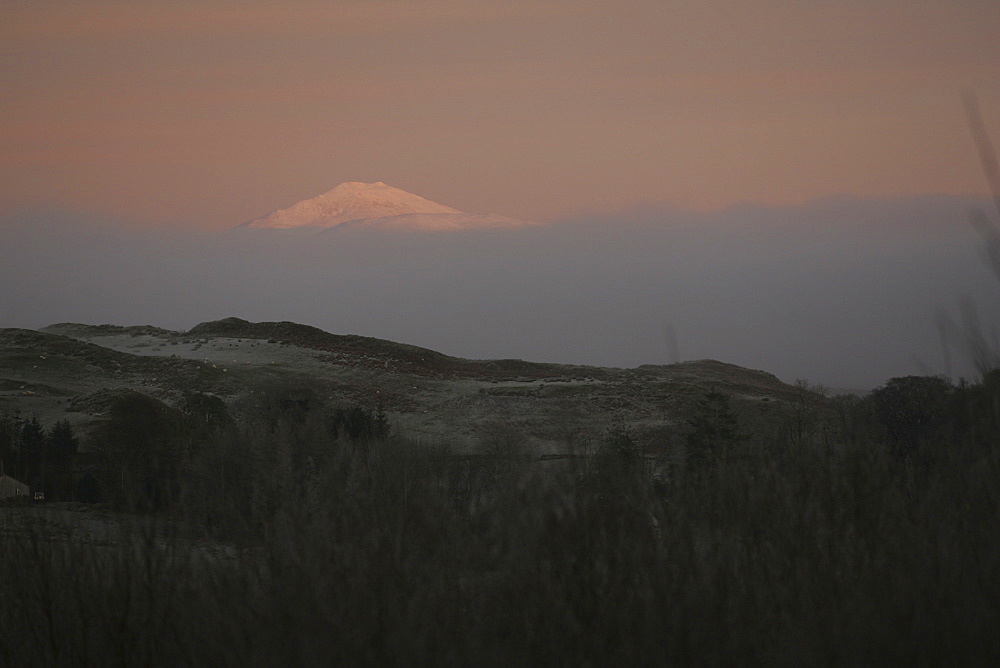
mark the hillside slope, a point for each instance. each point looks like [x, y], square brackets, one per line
[57, 371]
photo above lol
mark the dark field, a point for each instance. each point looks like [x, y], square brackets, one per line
[863, 534]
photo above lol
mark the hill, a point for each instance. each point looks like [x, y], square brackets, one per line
[64, 369]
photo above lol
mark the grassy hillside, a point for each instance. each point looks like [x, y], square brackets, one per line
[431, 395]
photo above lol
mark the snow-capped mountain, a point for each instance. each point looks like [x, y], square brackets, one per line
[358, 205]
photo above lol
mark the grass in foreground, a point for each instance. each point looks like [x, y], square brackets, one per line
[395, 553]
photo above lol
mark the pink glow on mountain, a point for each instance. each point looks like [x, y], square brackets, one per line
[355, 204]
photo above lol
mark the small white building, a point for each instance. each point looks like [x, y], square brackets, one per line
[10, 487]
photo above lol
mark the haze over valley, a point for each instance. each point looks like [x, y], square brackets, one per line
[844, 291]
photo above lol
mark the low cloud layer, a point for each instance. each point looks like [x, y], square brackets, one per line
[842, 291]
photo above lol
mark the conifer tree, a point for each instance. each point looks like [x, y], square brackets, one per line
[63, 445]
[32, 451]
[713, 429]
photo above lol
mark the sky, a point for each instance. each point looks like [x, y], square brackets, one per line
[781, 185]
[207, 114]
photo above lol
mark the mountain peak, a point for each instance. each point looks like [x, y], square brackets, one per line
[350, 201]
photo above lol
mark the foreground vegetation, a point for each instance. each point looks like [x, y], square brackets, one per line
[287, 533]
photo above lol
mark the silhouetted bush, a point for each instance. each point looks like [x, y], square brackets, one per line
[361, 425]
[911, 409]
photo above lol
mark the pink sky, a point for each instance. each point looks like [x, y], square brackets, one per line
[211, 113]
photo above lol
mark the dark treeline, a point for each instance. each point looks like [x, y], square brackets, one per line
[841, 531]
[43, 460]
